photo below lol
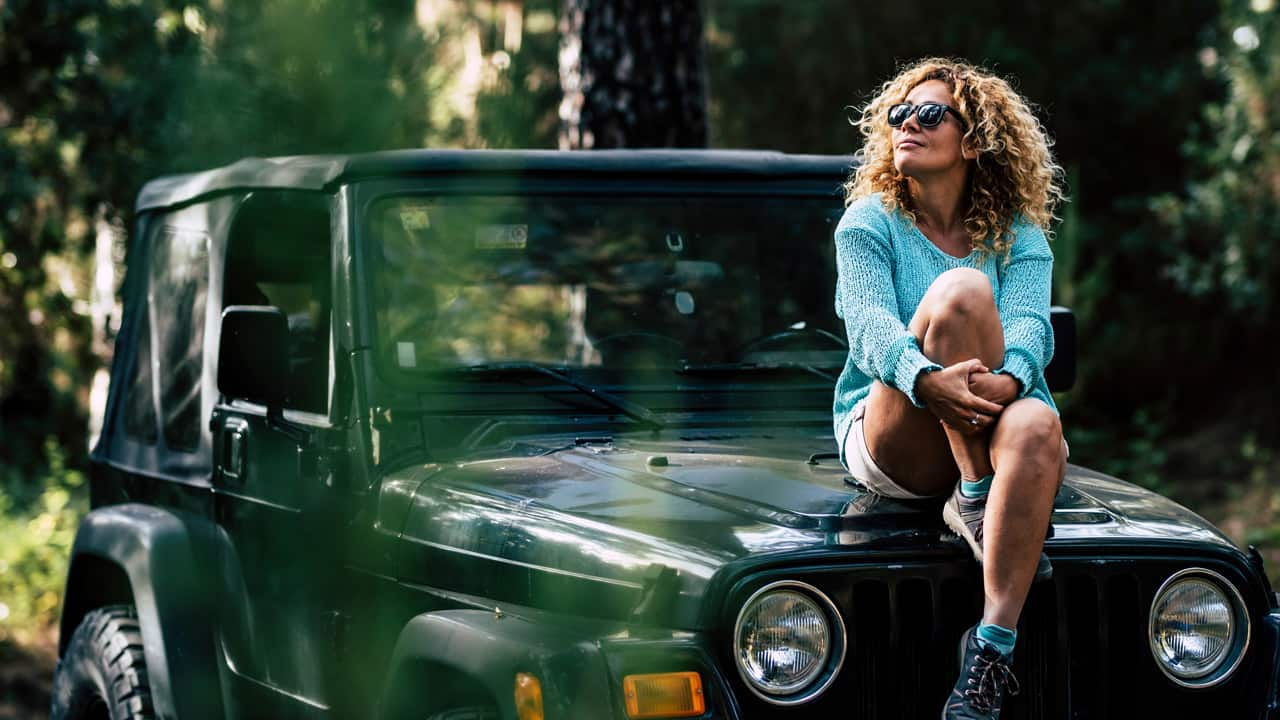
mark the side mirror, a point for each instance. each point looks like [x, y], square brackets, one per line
[1061, 372]
[253, 354]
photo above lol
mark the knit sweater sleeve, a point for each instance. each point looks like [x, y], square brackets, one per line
[1024, 308]
[879, 343]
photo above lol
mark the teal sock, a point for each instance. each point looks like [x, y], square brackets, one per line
[1002, 639]
[976, 488]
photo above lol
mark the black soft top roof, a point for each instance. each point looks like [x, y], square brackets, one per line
[320, 172]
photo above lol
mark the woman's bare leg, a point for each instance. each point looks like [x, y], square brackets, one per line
[956, 321]
[907, 442]
[1029, 459]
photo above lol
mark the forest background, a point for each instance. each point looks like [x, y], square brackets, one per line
[1165, 121]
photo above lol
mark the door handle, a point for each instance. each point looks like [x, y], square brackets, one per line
[235, 443]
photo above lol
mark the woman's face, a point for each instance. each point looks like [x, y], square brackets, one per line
[919, 151]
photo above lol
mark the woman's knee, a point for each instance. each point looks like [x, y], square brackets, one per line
[1030, 426]
[961, 292]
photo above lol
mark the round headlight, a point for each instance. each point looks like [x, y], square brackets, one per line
[784, 643]
[1199, 628]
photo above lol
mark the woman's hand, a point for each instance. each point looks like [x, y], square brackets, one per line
[1000, 389]
[948, 394]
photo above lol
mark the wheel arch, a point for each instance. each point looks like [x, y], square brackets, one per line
[144, 556]
[93, 581]
[483, 650]
[404, 699]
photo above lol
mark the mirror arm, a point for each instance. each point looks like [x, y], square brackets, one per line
[291, 430]
[315, 457]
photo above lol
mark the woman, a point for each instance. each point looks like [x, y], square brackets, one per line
[944, 276]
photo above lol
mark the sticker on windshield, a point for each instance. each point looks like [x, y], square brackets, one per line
[415, 218]
[406, 354]
[502, 237]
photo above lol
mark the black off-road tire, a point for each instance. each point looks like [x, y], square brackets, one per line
[102, 675]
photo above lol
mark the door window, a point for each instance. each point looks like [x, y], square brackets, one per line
[278, 255]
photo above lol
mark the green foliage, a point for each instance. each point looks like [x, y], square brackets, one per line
[35, 543]
[519, 109]
[290, 77]
[1136, 452]
[80, 84]
[1224, 223]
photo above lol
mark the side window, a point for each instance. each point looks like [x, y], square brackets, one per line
[140, 404]
[278, 254]
[176, 299]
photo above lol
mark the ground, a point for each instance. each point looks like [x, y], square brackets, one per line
[26, 679]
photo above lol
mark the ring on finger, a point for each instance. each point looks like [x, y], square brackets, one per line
[974, 420]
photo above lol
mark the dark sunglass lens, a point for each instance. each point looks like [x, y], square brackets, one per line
[898, 114]
[930, 115]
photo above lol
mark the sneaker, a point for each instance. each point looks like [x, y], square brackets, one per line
[964, 516]
[984, 678]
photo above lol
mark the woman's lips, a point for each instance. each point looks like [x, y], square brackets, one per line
[909, 144]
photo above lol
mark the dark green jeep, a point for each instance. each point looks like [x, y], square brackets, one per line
[548, 435]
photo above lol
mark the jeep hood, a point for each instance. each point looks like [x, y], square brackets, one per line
[606, 514]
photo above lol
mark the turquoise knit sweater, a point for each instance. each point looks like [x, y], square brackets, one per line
[885, 265]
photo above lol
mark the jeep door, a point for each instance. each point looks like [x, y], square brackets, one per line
[278, 546]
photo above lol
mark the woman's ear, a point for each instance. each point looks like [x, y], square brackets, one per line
[966, 150]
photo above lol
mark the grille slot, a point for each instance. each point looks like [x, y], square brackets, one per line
[1082, 646]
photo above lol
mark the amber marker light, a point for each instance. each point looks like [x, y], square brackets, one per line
[664, 695]
[528, 697]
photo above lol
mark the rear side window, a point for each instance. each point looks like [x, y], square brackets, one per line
[140, 408]
[176, 299]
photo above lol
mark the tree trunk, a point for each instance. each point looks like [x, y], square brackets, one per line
[632, 74]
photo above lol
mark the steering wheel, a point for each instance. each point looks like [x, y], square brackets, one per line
[637, 341]
[791, 336]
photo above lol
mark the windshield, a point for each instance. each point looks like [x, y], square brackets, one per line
[604, 283]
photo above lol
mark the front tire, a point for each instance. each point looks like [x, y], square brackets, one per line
[102, 674]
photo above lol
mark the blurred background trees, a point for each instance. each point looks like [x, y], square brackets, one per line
[632, 75]
[1164, 120]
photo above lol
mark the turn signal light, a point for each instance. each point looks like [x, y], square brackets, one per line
[528, 697]
[664, 695]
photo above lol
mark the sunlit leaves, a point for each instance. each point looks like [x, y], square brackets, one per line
[35, 543]
[1225, 223]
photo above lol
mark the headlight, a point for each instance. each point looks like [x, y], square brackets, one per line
[1199, 628]
[789, 642]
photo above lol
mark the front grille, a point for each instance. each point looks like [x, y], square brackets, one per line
[1082, 645]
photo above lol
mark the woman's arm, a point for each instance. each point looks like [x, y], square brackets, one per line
[879, 343]
[1025, 285]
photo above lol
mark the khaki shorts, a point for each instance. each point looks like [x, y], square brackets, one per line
[859, 463]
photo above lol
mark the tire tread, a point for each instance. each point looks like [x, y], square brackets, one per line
[105, 658]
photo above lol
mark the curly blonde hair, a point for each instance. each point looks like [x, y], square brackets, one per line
[1014, 173]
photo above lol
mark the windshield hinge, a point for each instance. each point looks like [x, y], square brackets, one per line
[380, 418]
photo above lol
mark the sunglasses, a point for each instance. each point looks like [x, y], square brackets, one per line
[928, 114]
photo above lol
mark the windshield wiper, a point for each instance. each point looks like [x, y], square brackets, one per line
[736, 368]
[626, 407]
